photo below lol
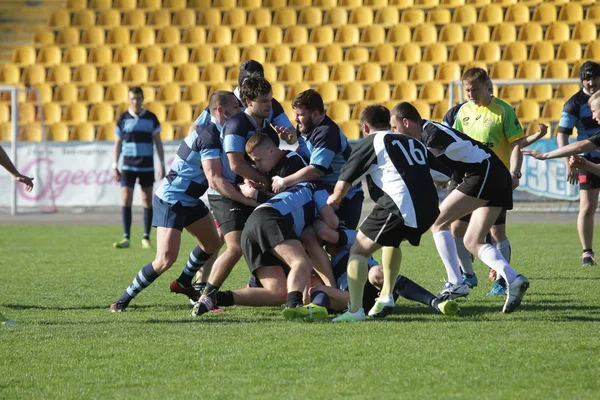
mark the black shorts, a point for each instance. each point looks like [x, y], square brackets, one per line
[264, 230]
[588, 180]
[388, 229]
[501, 220]
[350, 210]
[492, 183]
[145, 179]
[229, 214]
[176, 216]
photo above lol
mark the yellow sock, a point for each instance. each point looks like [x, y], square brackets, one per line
[390, 261]
[357, 277]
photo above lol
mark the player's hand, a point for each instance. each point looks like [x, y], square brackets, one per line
[27, 181]
[538, 155]
[277, 184]
[286, 134]
[577, 162]
[572, 175]
[543, 129]
[334, 201]
[161, 172]
[116, 174]
[248, 191]
[442, 184]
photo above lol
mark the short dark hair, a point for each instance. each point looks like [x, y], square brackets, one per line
[589, 70]
[406, 110]
[376, 116]
[250, 68]
[309, 99]
[136, 90]
[219, 98]
[253, 87]
[476, 74]
[256, 140]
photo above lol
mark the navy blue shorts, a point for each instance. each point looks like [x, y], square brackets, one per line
[145, 178]
[350, 210]
[176, 216]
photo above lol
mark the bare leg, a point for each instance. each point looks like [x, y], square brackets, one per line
[273, 292]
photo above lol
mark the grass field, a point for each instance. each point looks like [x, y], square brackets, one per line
[58, 282]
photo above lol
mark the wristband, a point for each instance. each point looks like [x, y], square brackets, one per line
[279, 181]
[114, 165]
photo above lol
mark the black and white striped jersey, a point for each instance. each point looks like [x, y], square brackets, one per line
[400, 172]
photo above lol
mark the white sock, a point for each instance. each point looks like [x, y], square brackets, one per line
[494, 259]
[504, 247]
[447, 250]
[464, 256]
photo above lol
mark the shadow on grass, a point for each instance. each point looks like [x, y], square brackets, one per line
[566, 278]
[102, 307]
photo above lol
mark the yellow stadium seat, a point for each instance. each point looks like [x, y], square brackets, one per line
[290, 73]
[373, 35]
[270, 35]
[151, 55]
[412, 17]
[51, 113]
[149, 93]
[465, 15]
[571, 12]
[448, 72]
[213, 73]
[515, 52]
[85, 74]
[158, 109]
[331, 54]
[369, 73]
[316, 73]
[439, 110]
[174, 4]
[593, 14]
[279, 55]
[254, 52]
[544, 13]
[517, 14]
[219, 35]
[110, 74]
[379, 92]
[180, 113]
[557, 32]
[398, 35]
[592, 50]
[75, 113]
[169, 93]
[342, 73]
[462, 53]
[351, 130]
[542, 52]
[245, 36]
[529, 70]
[387, 17]
[439, 16]
[310, 17]
[502, 70]
[93, 37]
[432, 92]
[106, 132]
[58, 132]
[234, 17]
[396, 72]
[296, 88]
[328, 91]
[383, 54]
[59, 74]
[402, 4]
[100, 55]
[259, 17]
[68, 36]
[348, 35]
[193, 36]
[209, 18]
[338, 111]
[435, 53]
[43, 38]
[121, 108]
[488, 53]
[74, 56]
[427, 4]
[425, 34]
[451, 34]
[184, 18]
[298, 35]
[504, 33]
[540, 93]
[4, 114]
[478, 34]
[116, 94]
[566, 90]
[409, 53]
[31, 132]
[451, 3]
[125, 55]
[136, 74]
[357, 55]
[149, 4]
[344, 3]
[167, 132]
[352, 92]
[168, 36]
[101, 113]
[224, 4]
[557, 69]
[27, 113]
[43, 93]
[124, 5]
[491, 15]
[475, 64]
[65, 94]
[99, 4]
[512, 93]
[421, 73]
[305, 55]
[76, 4]
[376, 4]
[161, 74]
[228, 55]
[584, 32]
[423, 108]
[336, 17]
[83, 18]
[187, 74]
[48, 56]
[177, 55]
[108, 18]
[143, 36]
[278, 90]
[83, 132]
[118, 36]
[531, 32]
[361, 17]
[59, 19]
[195, 93]
[23, 56]
[569, 51]
[218, 86]
[552, 110]
[92, 93]
[285, 16]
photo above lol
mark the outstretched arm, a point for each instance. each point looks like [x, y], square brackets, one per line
[10, 167]
[568, 150]
[531, 139]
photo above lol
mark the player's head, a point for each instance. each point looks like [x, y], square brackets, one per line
[257, 96]
[374, 118]
[250, 68]
[589, 73]
[477, 85]
[594, 103]
[263, 152]
[309, 110]
[223, 105]
[406, 119]
[136, 98]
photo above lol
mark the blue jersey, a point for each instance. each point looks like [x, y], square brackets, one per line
[302, 201]
[186, 181]
[577, 114]
[277, 116]
[328, 150]
[137, 133]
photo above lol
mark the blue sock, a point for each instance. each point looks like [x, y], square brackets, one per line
[196, 260]
[142, 280]
[147, 222]
[320, 298]
[126, 219]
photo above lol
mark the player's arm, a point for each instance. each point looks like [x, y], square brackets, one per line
[306, 174]
[202, 120]
[319, 257]
[213, 169]
[581, 163]
[160, 151]
[568, 120]
[338, 299]
[241, 167]
[117, 153]
[531, 139]
[440, 172]
[516, 162]
[10, 167]
[567, 150]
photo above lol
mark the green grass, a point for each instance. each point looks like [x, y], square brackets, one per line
[57, 282]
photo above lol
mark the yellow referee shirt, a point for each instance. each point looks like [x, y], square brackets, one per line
[495, 125]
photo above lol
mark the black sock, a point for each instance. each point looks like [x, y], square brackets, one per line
[195, 261]
[590, 250]
[501, 281]
[126, 220]
[294, 299]
[147, 222]
[410, 290]
[211, 291]
[225, 298]
[200, 286]
[342, 238]
[320, 298]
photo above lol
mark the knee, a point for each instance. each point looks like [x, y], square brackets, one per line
[165, 260]
[587, 210]
[316, 288]
[472, 244]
